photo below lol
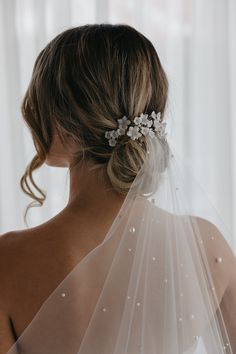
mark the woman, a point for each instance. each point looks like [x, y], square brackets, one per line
[122, 268]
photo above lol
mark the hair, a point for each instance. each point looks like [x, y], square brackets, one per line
[85, 79]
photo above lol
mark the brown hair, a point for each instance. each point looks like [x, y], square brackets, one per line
[83, 81]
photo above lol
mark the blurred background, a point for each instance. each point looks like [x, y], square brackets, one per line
[195, 40]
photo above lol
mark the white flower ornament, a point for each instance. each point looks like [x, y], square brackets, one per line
[108, 134]
[134, 133]
[145, 130]
[149, 123]
[124, 122]
[144, 119]
[143, 125]
[137, 120]
[151, 133]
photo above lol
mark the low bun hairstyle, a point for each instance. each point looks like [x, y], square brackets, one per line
[85, 79]
[124, 164]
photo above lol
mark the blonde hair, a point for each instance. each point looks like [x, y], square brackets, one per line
[83, 81]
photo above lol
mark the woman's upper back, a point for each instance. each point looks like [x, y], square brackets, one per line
[33, 262]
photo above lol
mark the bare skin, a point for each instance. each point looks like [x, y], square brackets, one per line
[34, 261]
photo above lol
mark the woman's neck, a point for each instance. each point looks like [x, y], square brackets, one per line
[90, 188]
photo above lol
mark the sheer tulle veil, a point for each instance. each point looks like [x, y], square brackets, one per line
[147, 288]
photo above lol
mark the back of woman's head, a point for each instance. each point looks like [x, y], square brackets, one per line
[83, 81]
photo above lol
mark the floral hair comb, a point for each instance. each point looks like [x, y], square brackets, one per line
[143, 125]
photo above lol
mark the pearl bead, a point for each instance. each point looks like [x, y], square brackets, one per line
[153, 258]
[130, 249]
[219, 260]
[128, 297]
[63, 295]
[180, 319]
[132, 229]
[104, 309]
[212, 237]
[138, 304]
[192, 316]
[181, 294]
[166, 281]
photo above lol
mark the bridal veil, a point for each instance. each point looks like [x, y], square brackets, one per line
[147, 288]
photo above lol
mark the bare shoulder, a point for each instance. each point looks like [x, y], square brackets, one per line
[8, 266]
[9, 241]
[17, 249]
[7, 249]
[11, 245]
[220, 256]
[215, 242]
[222, 263]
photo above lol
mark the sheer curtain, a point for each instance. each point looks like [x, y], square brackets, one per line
[195, 40]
